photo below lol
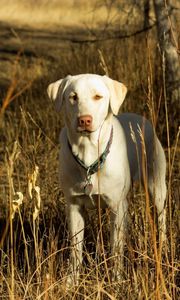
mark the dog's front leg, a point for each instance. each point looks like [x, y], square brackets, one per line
[76, 228]
[117, 237]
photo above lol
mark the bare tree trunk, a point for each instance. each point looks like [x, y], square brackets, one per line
[169, 49]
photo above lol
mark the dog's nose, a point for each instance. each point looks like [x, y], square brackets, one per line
[85, 121]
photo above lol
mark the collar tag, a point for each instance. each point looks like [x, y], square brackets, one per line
[88, 187]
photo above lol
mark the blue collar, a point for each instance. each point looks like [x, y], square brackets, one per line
[99, 162]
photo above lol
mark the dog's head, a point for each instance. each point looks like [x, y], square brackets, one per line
[87, 100]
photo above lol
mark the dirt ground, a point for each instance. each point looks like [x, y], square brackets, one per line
[38, 49]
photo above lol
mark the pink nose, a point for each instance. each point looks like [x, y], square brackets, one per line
[85, 121]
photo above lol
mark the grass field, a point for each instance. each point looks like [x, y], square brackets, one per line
[53, 14]
[34, 247]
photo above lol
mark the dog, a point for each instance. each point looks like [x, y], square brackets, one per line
[101, 154]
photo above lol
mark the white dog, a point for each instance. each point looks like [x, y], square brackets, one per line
[102, 154]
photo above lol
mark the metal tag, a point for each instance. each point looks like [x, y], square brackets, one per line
[88, 189]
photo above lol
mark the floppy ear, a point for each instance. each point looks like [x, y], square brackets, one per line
[117, 93]
[56, 90]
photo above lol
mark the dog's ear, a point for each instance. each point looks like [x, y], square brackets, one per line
[117, 93]
[56, 90]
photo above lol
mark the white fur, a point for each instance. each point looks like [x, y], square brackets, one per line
[100, 98]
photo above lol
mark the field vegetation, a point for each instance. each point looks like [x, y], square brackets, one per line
[42, 41]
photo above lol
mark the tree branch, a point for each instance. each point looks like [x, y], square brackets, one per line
[114, 37]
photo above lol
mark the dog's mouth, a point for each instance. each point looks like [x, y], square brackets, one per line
[83, 131]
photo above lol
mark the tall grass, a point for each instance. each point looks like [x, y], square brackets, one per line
[34, 247]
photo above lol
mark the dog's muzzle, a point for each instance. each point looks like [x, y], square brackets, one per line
[85, 123]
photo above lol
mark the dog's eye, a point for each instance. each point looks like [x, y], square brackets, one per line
[97, 97]
[74, 97]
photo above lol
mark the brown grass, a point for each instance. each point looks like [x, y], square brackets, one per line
[34, 252]
[60, 13]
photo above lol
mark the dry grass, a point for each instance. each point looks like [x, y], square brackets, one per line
[60, 13]
[34, 247]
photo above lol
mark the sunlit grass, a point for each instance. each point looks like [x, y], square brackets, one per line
[53, 14]
[34, 252]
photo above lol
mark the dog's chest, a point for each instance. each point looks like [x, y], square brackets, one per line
[82, 180]
[85, 184]
[78, 181]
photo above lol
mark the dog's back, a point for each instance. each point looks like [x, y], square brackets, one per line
[141, 140]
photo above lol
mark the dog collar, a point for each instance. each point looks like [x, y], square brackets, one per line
[95, 166]
[99, 162]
